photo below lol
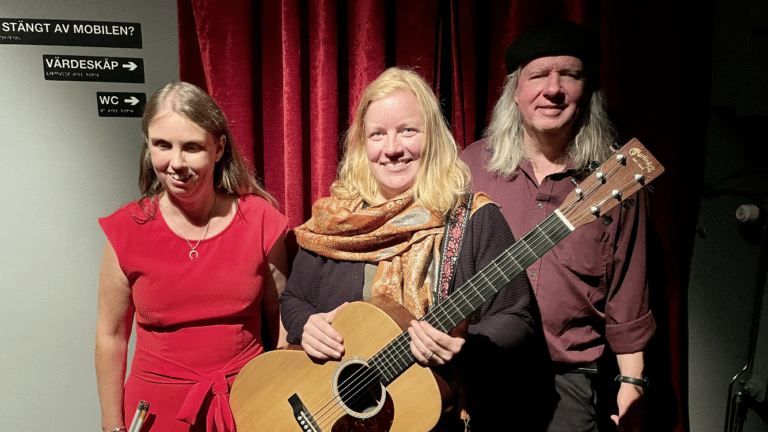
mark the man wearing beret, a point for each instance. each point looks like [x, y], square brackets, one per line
[548, 128]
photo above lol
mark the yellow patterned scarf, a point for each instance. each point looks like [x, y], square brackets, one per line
[401, 236]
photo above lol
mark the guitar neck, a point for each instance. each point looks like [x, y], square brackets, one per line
[396, 357]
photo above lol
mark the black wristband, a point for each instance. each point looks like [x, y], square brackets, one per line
[634, 381]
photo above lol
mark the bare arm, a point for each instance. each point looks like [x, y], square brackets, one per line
[274, 286]
[629, 398]
[113, 330]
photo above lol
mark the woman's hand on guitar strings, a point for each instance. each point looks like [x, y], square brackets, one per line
[321, 341]
[432, 347]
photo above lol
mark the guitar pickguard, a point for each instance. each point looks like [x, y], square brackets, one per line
[380, 422]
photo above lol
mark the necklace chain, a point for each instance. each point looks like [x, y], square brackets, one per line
[193, 253]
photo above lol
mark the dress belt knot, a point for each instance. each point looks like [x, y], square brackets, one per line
[219, 418]
[220, 384]
[213, 384]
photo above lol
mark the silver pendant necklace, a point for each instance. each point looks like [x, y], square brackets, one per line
[193, 253]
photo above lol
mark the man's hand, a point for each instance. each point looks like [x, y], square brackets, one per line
[631, 408]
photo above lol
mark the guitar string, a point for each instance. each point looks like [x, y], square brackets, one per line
[618, 164]
[402, 343]
[369, 378]
[499, 274]
[323, 414]
[627, 186]
[330, 408]
[463, 314]
[399, 345]
[494, 277]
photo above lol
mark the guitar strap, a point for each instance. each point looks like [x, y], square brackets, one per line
[451, 247]
[452, 241]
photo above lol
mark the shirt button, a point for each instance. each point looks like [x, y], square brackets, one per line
[541, 205]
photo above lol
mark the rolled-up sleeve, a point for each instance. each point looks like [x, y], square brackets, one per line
[629, 324]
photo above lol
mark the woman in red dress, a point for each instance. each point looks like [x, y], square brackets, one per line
[197, 260]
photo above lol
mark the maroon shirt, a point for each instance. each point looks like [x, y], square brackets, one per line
[591, 287]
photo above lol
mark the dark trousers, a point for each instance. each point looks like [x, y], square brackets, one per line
[577, 408]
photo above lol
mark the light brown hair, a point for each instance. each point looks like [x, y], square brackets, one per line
[231, 174]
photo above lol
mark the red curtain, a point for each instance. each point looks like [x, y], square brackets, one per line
[288, 73]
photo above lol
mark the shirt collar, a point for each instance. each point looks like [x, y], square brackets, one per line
[527, 167]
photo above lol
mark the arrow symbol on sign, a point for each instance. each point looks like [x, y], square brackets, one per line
[131, 66]
[132, 100]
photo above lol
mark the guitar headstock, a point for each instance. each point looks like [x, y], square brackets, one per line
[624, 173]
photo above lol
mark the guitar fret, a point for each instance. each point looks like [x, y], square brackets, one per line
[525, 243]
[460, 296]
[392, 360]
[444, 316]
[484, 278]
[444, 326]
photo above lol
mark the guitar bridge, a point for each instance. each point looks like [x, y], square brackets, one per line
[303, 417]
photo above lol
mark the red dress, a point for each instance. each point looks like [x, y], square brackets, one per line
[197, 321]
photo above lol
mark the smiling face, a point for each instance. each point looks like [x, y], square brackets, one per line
[183, 155]
[394, 130]
[548, 94]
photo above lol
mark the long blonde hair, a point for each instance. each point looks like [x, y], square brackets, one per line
[443, 178]
[592, 142]
[231, 174]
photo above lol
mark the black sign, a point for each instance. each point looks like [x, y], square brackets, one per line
[86, 68]
[69, 33]
[120, 104]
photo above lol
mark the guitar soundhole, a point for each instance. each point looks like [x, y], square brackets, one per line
[359, 390]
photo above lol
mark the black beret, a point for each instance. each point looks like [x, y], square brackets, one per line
[554, 38]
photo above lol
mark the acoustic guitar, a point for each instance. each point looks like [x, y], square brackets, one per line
[377, 385]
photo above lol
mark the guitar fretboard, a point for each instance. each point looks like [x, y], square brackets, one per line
[396, 357]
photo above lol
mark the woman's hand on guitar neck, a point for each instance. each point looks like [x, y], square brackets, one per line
[321, 341]
[432, 347]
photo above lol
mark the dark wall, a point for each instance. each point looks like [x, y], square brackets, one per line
[725, 277]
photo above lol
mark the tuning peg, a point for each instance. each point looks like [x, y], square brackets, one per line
[616, 194]
[607, 219]
[639, 178]
[622, 159]
[628, 204]
[593, 165]
[578, 191]
[615, 146]
[601, 177]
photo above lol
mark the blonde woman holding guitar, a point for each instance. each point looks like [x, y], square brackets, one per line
[382, 235]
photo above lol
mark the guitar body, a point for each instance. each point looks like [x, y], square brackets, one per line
[284, 390]
[261, 397]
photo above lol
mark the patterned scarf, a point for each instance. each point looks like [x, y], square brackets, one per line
[402, 237]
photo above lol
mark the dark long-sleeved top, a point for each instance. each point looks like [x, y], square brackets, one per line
[318, 284]
[504, 327]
